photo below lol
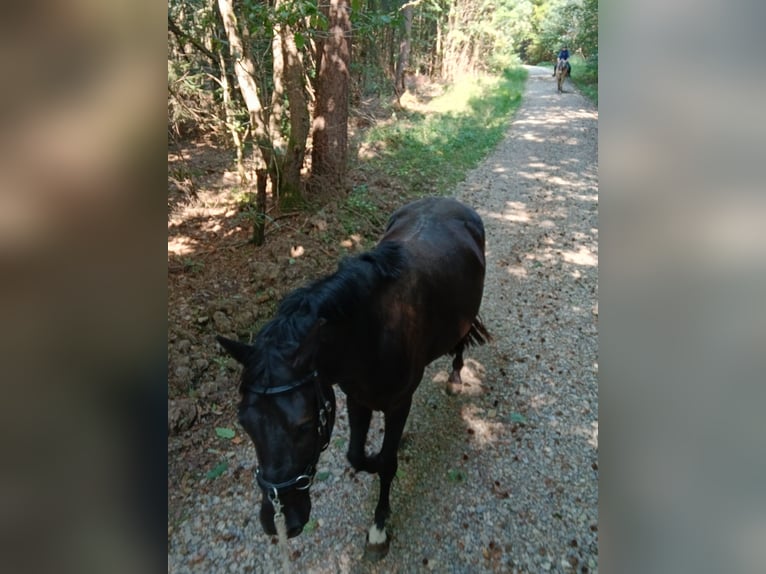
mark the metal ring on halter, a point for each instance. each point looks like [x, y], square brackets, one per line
[300, 482]
[274, 498]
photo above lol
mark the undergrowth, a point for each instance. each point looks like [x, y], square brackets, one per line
[585, 77]
[430, 152]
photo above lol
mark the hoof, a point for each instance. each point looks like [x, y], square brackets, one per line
[453, 389]
[377, 544]
[454, 383]
[376, 552]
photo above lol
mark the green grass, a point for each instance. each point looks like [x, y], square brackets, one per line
[585, 77]
[430, 152]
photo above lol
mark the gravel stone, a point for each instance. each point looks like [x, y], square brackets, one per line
[478, 490]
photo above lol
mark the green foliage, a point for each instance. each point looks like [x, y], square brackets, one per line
[456, 475]
[585, 76]
[431, 153]
[374, 29]
[360, 212]
[192, 265]
[311, 525]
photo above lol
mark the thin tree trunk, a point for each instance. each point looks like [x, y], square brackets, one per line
[300, 120]
[403, 61]
[244, 70]
[276, 117]
[230, 119]
[259, 225]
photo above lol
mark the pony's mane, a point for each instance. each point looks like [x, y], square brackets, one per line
[340, 294]
[335, 297]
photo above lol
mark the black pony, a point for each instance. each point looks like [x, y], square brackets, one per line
[371, 328]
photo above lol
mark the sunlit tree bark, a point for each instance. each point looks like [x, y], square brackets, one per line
[330, 126]
[244, 69]
[292, 74]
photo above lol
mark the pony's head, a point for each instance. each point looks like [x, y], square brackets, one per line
[289, 413]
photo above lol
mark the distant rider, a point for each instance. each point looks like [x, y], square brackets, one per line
[563, 56]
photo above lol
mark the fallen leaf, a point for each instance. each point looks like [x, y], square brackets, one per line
[218, 470]
[518, 418]
[225, 432]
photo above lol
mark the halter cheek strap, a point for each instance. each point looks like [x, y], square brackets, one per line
[326, 418]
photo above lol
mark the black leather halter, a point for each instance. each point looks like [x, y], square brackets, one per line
[326, 418]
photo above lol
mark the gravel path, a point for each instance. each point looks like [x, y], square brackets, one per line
[504, 476]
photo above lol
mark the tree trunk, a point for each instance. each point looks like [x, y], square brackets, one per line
[231, 123]
[277, 115]
[403, 61]
[330, 127]
[245, 72]
[300, 121]
[291, 72]
[259, 224]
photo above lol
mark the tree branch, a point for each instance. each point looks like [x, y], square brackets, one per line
[183, 36]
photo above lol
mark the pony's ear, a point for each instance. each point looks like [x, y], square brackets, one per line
[240, 351]
[309, 346]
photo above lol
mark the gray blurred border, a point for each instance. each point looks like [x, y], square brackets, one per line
[683, 287]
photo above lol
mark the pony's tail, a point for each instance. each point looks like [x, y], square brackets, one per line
[478, 335]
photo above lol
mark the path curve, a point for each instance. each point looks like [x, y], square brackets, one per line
[503, 477]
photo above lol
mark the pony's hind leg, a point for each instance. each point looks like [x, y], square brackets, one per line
[454, 382]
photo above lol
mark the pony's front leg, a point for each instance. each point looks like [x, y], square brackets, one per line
[377, 539]
[359, 422]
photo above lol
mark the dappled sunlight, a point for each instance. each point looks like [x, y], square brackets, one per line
[517, 271]
[484, 431]
[582, 197]
[369, 150]
[515, 211]
[541, 400]
[182, 245]
[557, 119]
[472, 375]
[533, 137]
[589, 432]
[569, 183]
[547, 224]
[583, 256]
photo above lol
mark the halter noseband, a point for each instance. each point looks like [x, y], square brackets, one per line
[326, 416]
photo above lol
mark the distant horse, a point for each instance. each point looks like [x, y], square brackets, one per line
[371, 328]
[562, 70]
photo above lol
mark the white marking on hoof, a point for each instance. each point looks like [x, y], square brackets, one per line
[376, 536]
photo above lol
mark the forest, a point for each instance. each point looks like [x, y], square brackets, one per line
[296, 128]
[277, 82]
